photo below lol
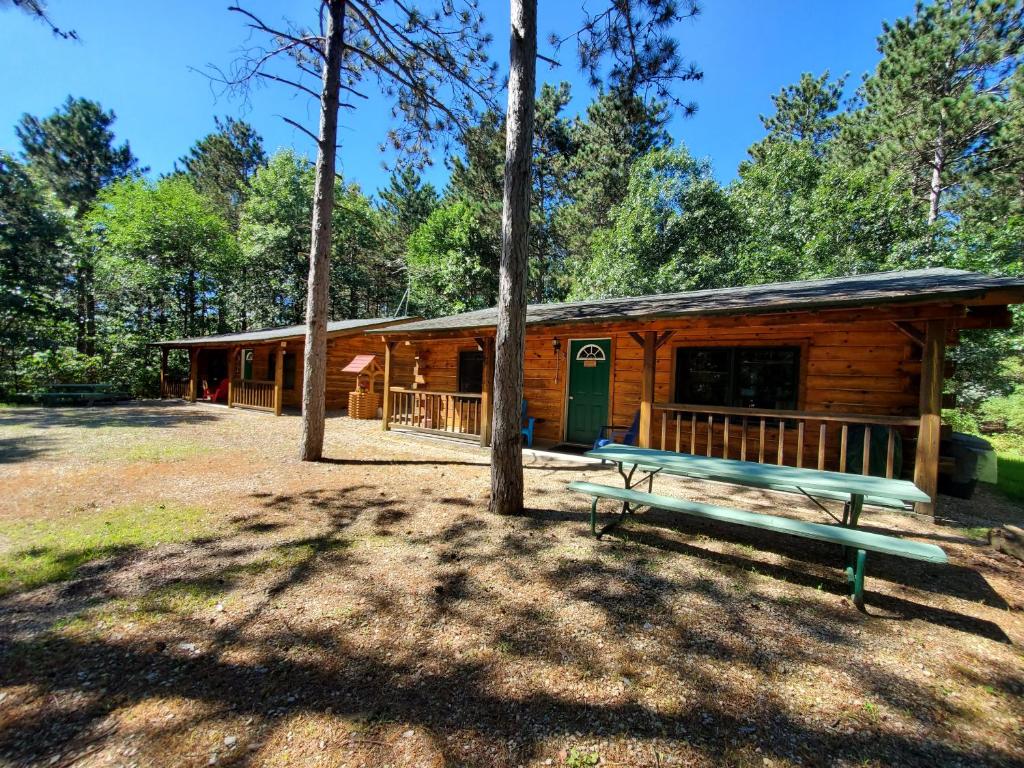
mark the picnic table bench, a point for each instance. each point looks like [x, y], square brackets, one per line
[841, 486]
[81, 394]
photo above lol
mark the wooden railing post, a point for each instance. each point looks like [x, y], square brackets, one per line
[231, 376]
[647, 388]
[386, 403]
[163, 372]
[279, 379]
[926, 460]
[486, 391]
[193, 374]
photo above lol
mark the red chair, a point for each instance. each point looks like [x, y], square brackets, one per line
[220, 394]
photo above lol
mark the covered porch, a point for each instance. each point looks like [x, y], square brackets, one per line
[262, 377]
[843, 375]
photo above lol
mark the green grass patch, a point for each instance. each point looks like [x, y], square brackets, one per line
[37, 552]
[977, 533]
[1011, 475]
[155, 450]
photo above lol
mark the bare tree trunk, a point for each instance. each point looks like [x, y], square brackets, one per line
[935, 189]
[314, 380]
[506, 450]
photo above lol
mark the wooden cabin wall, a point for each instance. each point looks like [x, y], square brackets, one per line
[869, 368]
[340, 351]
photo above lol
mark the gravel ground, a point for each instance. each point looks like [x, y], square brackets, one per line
[367, 611]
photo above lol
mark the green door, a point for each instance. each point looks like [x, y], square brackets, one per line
[589, 375]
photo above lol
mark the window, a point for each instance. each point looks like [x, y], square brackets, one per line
[471, 370]
[590, 352]
[247, 364]
[742, 377]
[289, 369]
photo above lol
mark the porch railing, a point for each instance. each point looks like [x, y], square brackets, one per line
[449, 413]
[793, 438]
[175, 389]
[252, 393]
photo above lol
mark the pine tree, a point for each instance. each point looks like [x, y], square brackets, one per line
[940, 92]
[807, 111]
[72, 151]
[221, 165]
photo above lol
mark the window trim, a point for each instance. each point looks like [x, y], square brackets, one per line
[252, 363]
[801, 342]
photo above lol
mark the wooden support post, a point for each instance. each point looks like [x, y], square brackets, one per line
[486, 399]
[647, 389]
[926, 461]
[232, 354]
[279, 379]
[163, 372]
[193, 374]
[389, 347]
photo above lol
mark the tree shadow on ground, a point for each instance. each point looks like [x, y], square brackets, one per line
[143, 413]
[278, 655]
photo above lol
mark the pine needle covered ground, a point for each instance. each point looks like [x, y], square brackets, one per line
[178, 590]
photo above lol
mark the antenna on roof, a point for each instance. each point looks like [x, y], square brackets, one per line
[404, 302]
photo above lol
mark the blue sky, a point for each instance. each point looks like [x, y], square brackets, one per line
[140, 58]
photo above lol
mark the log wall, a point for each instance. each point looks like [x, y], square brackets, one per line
[340, 351]
[864, 367]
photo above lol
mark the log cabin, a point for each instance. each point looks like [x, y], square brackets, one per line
[844, 374]
[263, 369]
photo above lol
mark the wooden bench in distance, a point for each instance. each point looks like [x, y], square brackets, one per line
[859, 543]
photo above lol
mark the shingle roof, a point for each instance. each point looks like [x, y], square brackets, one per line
[334, 328]
[859, 290]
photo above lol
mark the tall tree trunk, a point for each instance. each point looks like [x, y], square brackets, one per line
[935, 188]
[82, 307]
[506, 442]
[90, 310]
[314, 379]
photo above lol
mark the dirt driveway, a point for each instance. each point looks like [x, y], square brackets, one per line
[368, 611]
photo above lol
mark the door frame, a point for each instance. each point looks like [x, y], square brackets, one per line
[568, 380]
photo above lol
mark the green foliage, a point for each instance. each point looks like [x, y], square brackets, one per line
[452, 263]
[675, 230]
[617, 131]
[579, 758]
[36, 371]
[32, 270]
[73, 152]
[805, 112]
[1011, 474]
[364, 281]
[221, 165]
[160, 252]
[274, 238]
[810, 217]
[939, 93]
[405, 204]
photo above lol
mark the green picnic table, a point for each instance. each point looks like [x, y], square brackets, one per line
[81, 394]
[853, 489]
[815, 483]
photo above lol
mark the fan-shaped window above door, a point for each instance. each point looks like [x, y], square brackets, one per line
[590, 352]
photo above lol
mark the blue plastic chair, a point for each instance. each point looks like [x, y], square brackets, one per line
[609, 432]
[527, 430]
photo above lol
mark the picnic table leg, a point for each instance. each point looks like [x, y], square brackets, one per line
[856, 505]
[593, 517]
[628, 480]
[855, 578]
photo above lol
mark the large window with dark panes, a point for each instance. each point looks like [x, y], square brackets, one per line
[740, 377]
[471, 370]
